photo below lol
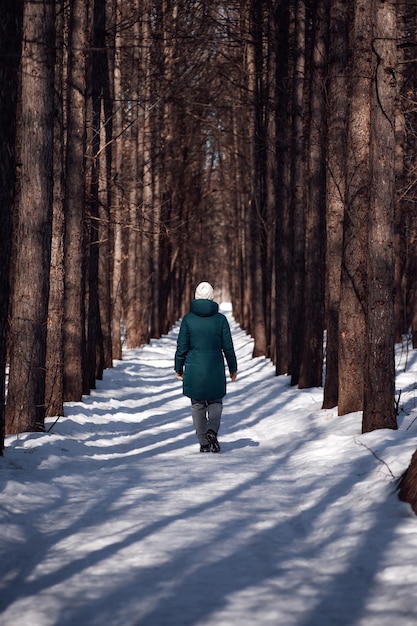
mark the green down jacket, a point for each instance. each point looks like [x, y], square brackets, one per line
[203, 339]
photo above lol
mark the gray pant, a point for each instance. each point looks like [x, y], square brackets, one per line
[206, 416]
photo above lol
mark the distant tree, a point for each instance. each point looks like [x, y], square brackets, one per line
[25, 409]
[10, 46]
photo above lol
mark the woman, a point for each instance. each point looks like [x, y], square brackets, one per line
[203, 339]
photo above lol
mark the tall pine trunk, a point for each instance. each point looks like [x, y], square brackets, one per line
[10, 43]
[311, 365]
[25, 410]
[335, 189]
[355, 243]
[116, 213]
[74, 309]
[297, 224]
[379, 408]
[282, 226]
[54, 398]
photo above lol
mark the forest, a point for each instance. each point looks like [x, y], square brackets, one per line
[266, 146]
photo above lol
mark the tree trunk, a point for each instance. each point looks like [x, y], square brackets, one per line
[282, 227]
[311, 366]
[257, 204]
[379, 407]
[297, 225]
[335, 189]
[54, 393]
[99, 79]
[408, 484]
[105, 192]
[355, 243]
[74, 309]
[25, 410]
[116, 213]
[406, 24]
[131, 297]
[10, 43]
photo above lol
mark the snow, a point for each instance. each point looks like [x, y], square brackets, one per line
[114, 517]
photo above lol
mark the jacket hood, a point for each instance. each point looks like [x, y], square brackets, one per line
[204, 308]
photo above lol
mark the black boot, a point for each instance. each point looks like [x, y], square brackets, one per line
[205, 447]
[214, 444]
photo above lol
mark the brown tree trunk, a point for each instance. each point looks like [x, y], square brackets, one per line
[311, 366]
[335, 189]
[10, 44]
[379, 407]
[408, 484]
[99, 80]
[404, 209]
[297, 225]
[105, 192]
[74, 309]
[355, 243]
[104, 237]
[282, 228]
[132, 302]
[54, 393]
[257, 204]
[25, 410]
[117, 209]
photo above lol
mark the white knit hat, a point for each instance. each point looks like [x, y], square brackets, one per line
[204, 291]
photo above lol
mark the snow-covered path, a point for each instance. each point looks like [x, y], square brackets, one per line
[114, 517]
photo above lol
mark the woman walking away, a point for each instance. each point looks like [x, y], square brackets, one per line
[203, 339]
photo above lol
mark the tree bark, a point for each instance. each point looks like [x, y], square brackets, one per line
[25, 410]
[407, 486]
[297, 225]
[311, 366]
[379, 407]
[74, 308]
[335, 189]
[54, 393]
[355, 242]
[116, 213]
[10, 48]
[257, 204]
[282, 226]
[99, 80]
